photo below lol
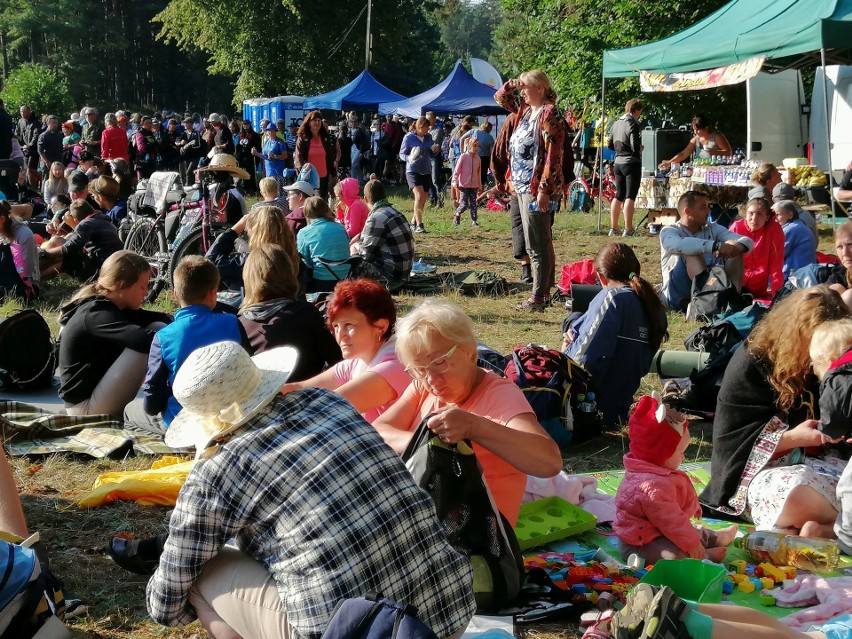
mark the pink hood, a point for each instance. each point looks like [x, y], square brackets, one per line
[349, 190]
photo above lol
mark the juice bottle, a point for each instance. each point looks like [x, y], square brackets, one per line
[806, 553]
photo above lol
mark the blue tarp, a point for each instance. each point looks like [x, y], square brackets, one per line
[362, 94]
[459, 93]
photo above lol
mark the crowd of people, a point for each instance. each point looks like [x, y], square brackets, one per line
[337, 399]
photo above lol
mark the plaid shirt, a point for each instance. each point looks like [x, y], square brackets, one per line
[387, 242]
[310, 490]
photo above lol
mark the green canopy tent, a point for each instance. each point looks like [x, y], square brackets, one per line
[788, 33]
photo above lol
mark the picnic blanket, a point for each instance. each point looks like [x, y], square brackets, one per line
[157, 486]
[603, 537]
[29, 430]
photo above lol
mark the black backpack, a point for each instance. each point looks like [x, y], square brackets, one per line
[27, 352]
[452, 476]
[713, 293]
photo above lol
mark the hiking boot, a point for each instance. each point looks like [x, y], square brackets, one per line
[533, 305]
[136, 557]
[526, 273]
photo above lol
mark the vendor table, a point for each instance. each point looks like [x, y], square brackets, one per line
[657, 193]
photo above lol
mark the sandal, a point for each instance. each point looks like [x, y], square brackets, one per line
[128, 554]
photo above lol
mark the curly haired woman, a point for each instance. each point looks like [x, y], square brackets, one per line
[765, 420]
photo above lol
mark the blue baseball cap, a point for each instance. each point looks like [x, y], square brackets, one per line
[271, 127]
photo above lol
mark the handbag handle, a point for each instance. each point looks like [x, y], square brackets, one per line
[421, 436]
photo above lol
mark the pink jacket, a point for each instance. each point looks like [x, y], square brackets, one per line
[356, 212]
[467, 175]
[652, 502]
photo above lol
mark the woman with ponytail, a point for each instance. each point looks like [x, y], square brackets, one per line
[618, 336]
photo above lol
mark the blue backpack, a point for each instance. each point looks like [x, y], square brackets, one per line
[375, 617]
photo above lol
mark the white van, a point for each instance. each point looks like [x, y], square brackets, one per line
[777, 117]
[840, 117]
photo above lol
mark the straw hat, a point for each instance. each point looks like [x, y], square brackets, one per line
[221, 387]
[227, 163]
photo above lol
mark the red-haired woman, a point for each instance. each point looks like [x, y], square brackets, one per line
[362, 315]
[316, 145]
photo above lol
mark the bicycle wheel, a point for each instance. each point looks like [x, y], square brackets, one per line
[608, 190]
[192, 244]
[150, 242]
[579, 197]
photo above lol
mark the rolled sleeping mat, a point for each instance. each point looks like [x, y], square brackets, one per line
[582, 295]
[678, 363]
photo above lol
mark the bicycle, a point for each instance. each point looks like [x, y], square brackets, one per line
[198, 222]
[582, 192]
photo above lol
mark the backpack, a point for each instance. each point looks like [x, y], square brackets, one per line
[472, 283]
[31, 600]
[713, 293]
[452, 476]
[581, 272]
[27, 352]
[714, 338]
[581, 201]
[375, 617]
[555, 387]
[14, 279]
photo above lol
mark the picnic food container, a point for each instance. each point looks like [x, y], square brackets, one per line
[550, 519]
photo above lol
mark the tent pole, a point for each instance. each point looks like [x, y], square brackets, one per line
[369, 35]
[828, 137]
[599, 158]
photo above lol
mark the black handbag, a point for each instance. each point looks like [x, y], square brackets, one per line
[452, 476]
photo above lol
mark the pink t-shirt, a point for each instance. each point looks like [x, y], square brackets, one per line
[385, 364]
[499, 400]
[316, 156]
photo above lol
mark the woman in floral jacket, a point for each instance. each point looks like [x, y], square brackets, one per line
[535, 159]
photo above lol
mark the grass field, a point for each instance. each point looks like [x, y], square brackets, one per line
[76, 538]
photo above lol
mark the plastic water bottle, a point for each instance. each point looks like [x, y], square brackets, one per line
[805, 553]
[587, 403]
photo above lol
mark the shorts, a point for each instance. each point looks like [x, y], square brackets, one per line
[838, 628]
[419, 179]
[627, 179]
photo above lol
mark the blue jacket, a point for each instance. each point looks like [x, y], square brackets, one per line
[611, 342]
[423, 163]
[799, 246]
[194, 327]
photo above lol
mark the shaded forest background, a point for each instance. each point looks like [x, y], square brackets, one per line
[208, 55]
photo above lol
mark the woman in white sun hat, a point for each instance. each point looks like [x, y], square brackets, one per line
[226, 197]
[320, 508]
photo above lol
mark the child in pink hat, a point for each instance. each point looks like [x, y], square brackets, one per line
[656, 502]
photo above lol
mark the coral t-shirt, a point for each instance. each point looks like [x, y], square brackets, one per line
[316, 156]
[499, 400]
[385, 364]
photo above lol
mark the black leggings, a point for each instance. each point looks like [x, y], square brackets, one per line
[627, 179]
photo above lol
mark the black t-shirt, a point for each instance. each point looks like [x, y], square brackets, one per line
[95, 332]
[846, 181]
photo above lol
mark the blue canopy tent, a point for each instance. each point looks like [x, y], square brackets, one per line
[362, 94]
[458, 93]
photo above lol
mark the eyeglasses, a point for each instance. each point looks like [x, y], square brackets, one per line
[438, 366]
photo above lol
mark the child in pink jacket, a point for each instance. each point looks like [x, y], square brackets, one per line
[656, 501]
[355, 211]
[466, 178]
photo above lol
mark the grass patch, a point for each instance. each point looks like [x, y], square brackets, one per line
[76, 538]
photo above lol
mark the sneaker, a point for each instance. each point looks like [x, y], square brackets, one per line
[665, 616]
[127, 554]
[629, 622]
[612, 232]
[533, 305]
[456, 219]
[419, 229]
[628, 233]
[474, 225]
[600, 627]
[419, 267]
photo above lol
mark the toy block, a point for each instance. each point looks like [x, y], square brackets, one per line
[767, 582]
[738, 578]
[738, 566]
[727, 587]
[774, 572]
[767, 600]
[745, 586]
[789, 571]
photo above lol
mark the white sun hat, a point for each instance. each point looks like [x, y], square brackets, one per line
[221, 387]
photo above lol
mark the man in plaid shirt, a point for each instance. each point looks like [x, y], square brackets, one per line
[386, 244]
[321, 510]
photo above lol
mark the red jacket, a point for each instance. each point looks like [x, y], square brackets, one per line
[764, 264]
[652, 502]
[114, 144]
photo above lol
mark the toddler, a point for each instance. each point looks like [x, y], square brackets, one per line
[656, 501]
[831, 357]
[467, 178]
